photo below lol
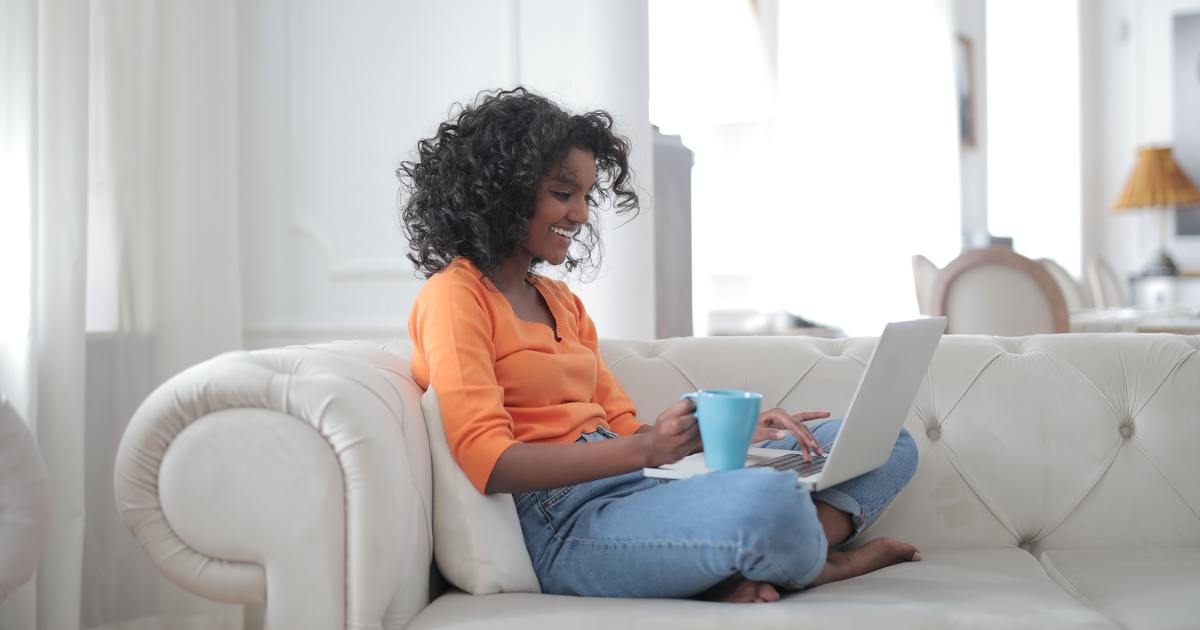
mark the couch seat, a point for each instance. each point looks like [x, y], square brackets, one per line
[1140, 589]
[977, 588]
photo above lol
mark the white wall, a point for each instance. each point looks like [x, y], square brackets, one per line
[1126, 83]
[587, 55]
[332, 98]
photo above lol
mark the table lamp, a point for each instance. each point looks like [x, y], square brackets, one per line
[1156, 182]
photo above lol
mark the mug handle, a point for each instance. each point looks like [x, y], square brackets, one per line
[693, 396]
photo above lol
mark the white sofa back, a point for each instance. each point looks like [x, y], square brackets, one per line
[1044, 442]
[1049, 442]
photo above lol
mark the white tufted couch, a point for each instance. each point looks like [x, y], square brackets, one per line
[1059, 486]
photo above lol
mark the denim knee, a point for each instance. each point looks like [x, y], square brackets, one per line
[775, 524]
[905, 456]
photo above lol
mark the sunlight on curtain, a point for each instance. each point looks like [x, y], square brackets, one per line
[16, 200]
[1034, 177]
[141, 85]
[163, 290]
[818, 206]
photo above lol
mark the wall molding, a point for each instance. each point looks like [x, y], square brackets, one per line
[339, 269]
[355, 268]
[256, 337]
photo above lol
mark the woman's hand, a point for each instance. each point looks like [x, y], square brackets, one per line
[674, 435]
[774, 424]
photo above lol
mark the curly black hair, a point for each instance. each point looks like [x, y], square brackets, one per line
[471, 189]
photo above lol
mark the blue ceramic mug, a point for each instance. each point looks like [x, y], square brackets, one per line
[727, 419]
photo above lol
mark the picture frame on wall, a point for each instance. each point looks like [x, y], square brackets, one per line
[964, 82]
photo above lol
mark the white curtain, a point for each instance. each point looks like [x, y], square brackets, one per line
[119, 248]
[811, 194]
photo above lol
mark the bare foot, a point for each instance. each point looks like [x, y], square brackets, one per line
[872, 556]
[739, 590]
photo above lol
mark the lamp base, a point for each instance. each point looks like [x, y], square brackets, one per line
[1161, 265]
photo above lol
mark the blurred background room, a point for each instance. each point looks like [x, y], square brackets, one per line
[182, 178]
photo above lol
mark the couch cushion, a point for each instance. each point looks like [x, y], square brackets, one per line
[477, 540]
[1137, 588]
[992, 588]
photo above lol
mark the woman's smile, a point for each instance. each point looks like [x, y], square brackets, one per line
[562, 233]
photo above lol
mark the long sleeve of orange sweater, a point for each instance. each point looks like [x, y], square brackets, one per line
[502, 380]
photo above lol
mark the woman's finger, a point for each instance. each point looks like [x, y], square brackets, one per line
[805, 416]
[772, 426]
[690, 440]
[774, 418]
[803, 438]
[807, 445]
[769, 428]
[763, 433]
[811, 440]
[816, 446]
[685, 439]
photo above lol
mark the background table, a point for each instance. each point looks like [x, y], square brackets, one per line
[1182, 291]
[1180, 321]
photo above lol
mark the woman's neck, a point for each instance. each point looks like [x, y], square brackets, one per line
[512, 273]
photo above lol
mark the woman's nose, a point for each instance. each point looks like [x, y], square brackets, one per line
[578, 212]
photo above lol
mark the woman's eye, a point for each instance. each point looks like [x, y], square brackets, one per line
[561, 195]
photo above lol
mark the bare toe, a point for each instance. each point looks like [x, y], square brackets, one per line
[872, 556]
[739, 590]
[897, 550]
[767, 592]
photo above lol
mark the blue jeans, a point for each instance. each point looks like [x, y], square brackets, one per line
[634, 536]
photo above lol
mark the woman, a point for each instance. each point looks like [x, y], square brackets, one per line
[508, 184]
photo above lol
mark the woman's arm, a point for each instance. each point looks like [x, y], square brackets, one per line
[524, 467]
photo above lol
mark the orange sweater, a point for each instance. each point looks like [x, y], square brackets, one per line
[500, 379]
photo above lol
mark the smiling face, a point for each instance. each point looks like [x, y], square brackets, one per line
[560, 207]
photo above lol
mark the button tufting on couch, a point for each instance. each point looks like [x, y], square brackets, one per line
[1029, 509]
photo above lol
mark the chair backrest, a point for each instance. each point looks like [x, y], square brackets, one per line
[1107, 291]
[1073, 290]
[924, 273]
[996, 291]
[24, 502]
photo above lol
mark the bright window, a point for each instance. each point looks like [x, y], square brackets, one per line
[814, 197]
[1034, 185]
[17, 98]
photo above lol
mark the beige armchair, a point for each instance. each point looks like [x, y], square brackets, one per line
[1107, 290]
[924, 274]
[996, 291]
[1073, 290]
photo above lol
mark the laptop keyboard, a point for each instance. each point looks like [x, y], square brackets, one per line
[795, 462]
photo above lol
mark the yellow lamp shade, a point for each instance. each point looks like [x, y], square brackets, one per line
[1157, 182]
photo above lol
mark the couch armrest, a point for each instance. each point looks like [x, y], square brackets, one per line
[297, 476]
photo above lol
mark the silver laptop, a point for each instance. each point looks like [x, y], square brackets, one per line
[872, 422]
